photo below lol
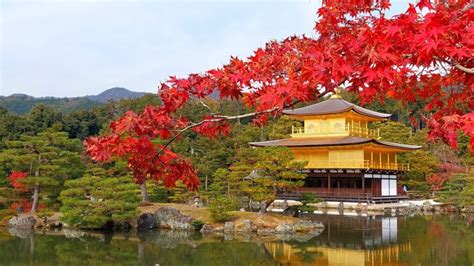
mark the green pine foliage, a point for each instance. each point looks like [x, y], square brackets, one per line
[49, 158]
[458, 190]
[306, 199]
[225, 183]
[180, 194]
[157, 192]
[266, 171]
[95, 200]
[423, 162]
[220, 208]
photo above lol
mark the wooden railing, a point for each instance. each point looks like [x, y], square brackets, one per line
[341, 194]
[335, 194]
[349, 129]
[367, 164]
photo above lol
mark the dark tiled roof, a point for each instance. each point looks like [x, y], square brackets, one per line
[398, 145]
[334, 106]
[330, 141]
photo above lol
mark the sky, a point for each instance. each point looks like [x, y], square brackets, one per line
[67, 48]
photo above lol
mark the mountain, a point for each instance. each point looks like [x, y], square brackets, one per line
[115, 94]
[22, 103]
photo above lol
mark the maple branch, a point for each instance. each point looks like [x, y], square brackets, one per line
[234, 117]
[206, 106]
[442, 66]
[457, 65]
[212, 120]
[467, 7]
[463, 68]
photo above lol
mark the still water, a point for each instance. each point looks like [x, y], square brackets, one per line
[417, 240]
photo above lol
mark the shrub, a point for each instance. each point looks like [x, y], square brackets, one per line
[307, 198]
[220, 208]
[198, 224]
[94, 201]
[6, 215]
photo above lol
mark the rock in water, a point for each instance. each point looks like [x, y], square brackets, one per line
[207, 228]
[246, 226]
[285, 228]
[22, 221]
[228, 227]
[123, 226]
[307, 226]
[146, 221]
[172, 218]
[265, 231]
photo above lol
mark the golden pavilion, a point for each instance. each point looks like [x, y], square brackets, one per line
[347, 159]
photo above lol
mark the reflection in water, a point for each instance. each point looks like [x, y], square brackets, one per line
[431, 240]
[346, 241]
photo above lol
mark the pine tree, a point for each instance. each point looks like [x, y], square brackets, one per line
[180, 193]
[267, 171]
[49, 158]
[96, 199]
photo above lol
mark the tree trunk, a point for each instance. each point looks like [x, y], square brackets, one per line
[34, 206]
[144, 192]
[206, 182]
[35, 197]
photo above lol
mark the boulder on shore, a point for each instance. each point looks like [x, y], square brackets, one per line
[207, 228]
[285, 228]
[172, 218]
[22, 221]
[245, 226]
[228, 227]
[146, 221]
[307, 226]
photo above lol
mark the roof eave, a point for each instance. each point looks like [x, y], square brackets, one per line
[381, 117]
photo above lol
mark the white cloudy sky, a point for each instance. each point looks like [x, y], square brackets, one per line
[74, 48]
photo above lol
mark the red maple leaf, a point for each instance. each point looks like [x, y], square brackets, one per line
[15, 180]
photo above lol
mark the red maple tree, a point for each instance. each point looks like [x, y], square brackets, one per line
[423, 53]
[436, 182]
[14, 177]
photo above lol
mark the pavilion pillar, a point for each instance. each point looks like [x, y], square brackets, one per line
[371, 159]
[363, 183]
[329, 182]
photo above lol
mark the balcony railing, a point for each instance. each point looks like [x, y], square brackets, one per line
[367, 164]
[349, 129]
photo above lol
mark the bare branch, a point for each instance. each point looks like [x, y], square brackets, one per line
[206, 106]
[457, 65]
[213, 120]
[442, 66]
[467, 7]
[463, 68]
[224, 117]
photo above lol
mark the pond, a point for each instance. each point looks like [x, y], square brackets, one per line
[417, 240]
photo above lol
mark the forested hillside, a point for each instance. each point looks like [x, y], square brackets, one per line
[22, 103]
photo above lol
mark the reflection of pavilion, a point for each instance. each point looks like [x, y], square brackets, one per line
[358, 232]
[345, 241]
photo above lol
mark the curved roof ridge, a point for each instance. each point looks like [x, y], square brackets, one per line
[333, 106]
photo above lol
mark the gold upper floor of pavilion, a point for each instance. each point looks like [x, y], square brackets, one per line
[338, 134]
[343, 130]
